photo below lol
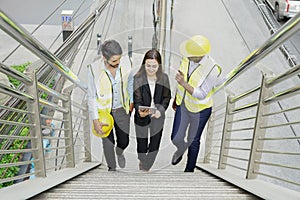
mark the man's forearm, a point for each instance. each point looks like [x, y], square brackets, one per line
[188, 88]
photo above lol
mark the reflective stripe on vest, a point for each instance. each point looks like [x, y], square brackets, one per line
[105, 92]
[195, 80]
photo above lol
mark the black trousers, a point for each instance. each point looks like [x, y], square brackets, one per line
[148, 141]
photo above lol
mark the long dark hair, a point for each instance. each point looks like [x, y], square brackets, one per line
[151, 54]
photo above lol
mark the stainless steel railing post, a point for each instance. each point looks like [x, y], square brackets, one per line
[67, 117]
[226, 133]
[86, 134]
[209, 137]
[36, 132]
[258, 131]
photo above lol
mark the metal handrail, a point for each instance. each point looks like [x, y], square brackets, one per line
[284, 33]
[254, 135]
[51, 92]
[69, 102]
[289, 73]
[23, 36]
[15, 74]
[15, 93]
[271, 82]
[31, 85]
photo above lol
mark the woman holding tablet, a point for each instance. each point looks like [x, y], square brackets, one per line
[152, 95]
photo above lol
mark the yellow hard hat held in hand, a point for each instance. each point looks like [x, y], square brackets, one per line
[105, 118]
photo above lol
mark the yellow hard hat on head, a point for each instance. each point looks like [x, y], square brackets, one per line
[196, 46]
[106, 118]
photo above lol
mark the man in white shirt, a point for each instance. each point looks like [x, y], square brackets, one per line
[108, 91]
[198, 74]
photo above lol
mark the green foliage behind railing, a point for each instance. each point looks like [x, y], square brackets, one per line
[20, 68]
[8, 172]
[17, 144]
[9, 158]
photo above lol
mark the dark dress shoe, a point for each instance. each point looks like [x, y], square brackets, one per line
[176, 159]
[188, 170]
[111, 169]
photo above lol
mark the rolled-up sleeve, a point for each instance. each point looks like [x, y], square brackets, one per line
[211, 81]
[92, 96]
[130, 86]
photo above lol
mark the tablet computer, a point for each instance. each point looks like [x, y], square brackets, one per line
[151, 109]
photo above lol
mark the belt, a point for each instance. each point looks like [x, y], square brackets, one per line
[117, 109]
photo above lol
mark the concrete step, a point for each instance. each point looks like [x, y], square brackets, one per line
[167, 184]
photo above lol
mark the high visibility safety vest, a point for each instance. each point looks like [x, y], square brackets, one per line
[195, 80]
[105, 90]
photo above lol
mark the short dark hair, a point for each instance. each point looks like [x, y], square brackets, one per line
[151, 54]
[111, 48]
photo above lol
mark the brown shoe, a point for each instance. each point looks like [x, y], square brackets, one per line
[141, 166]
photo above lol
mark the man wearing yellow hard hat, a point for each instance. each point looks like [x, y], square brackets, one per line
[197, 75]
[109, 102]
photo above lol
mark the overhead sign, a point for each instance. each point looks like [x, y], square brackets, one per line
[67, 20]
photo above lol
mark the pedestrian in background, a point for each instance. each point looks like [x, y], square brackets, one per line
[48, 132]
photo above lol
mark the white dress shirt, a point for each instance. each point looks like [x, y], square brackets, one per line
[213, 79]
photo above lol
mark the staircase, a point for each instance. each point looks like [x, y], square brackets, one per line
[169, 183]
